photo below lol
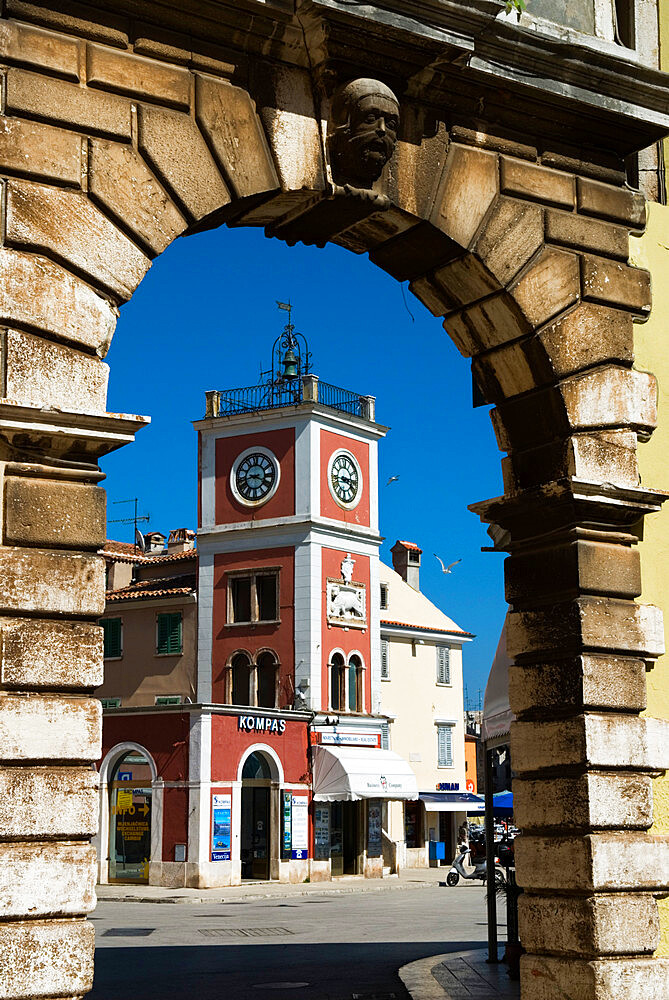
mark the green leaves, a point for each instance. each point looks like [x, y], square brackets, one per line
[517, 5]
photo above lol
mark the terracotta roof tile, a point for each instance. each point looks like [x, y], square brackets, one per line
[127, 552]
[409, 545]
[428, 628]
[166, 586]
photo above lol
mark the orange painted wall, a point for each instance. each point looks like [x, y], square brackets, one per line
[331, 442]
[228, 744]
[337, 637]
[282, 504]
[227, 639]
[470, 764]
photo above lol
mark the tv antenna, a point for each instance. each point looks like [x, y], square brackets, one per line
[134, 520]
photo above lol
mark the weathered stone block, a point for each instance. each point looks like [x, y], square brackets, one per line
[597, 625]
[526, 180]
[468, 188]
[503, 373]
[48, 727]
[40, 151]
[464, 281]
[544, 978]
[549, 286]
[588, 335]
[114, 29]
[510, 236]
[41, 880]
[41, 373]
[596, 800]
[68, 104]
[175, 148]
[594, 740]
[38, 580]
[145, 78]
[24, 44]
[610, 283]
[63, 515]
[614, 924]
[46, 958]
[227, 116]
[569, 230]
[608, 202]
[430, 296]
[597, 862]
[610, 397]
[588, 681]
[44, 802]
[50, 654]
[291, 124]
[66, 223]
[570, 569]
[495, 322]
[121, 182]
[604, 457]
[59, 303]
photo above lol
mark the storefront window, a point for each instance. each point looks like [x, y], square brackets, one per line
[130, 819]
[412, 824]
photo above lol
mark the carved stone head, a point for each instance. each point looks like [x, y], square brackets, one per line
[365, 120]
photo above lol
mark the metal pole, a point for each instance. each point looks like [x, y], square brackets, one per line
[490, 861]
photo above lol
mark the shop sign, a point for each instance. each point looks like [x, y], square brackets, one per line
[349, 738]
[124, 776]
[287, 832]
[299, 827]
[260, 724]
[221, 830]
[374, 846]
[448, 786]
[471, 787]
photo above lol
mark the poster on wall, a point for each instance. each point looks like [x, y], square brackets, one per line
[221, 829]
[287, 827]
[374, 829]
[300, 827]
[322, 832]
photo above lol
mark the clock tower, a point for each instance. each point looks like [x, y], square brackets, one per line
[288, 545]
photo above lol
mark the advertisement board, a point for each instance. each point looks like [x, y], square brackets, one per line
[299, 827]
[221, 829]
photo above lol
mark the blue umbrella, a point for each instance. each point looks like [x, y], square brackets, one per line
[502, 804]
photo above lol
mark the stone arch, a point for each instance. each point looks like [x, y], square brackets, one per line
[270, 755]
[107, 155]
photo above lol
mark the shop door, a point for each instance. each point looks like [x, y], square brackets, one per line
[255, 845]
[130, 820]
[446, 834]
[344, 838]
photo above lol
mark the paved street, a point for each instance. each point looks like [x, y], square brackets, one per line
[320, 946]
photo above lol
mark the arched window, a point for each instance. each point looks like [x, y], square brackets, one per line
[241, 679]
[337, 682]
[266, 680]
[256, 768]
[355, 684]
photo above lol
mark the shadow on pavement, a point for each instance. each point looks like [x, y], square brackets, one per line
[252, 971]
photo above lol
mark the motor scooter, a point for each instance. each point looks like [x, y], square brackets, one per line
[478, 871]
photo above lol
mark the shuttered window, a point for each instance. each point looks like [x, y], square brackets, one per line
[385, 736]
[168, 699]
[113, 637]
[384, 596]
[444, 746]
[169, 638]
[385, 659]
[110, 702]
[443, 665]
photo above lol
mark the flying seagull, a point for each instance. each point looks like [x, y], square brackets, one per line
[446, 569]
[393, 479]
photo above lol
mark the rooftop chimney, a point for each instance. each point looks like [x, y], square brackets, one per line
[406, 562]
[155, 543]
[181, 540]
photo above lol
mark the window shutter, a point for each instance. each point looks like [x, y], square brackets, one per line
[385, 664]
[112, 634]
[443, 665]
[385, 736]
[384, 596]
[169, 633]
[163, 633]
[445, 746]
[175, 634]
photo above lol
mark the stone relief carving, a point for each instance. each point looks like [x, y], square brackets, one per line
[347, 600]
[363, 131]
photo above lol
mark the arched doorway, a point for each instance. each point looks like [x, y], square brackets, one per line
[256, 832]
[130, 801]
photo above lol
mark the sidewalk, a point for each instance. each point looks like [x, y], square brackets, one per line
[410, 878]
[461, 975]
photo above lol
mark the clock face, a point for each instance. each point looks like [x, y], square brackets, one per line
[345, 479]
[255, 476]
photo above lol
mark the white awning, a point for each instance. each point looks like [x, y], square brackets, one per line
[497, 716]
[344, 774]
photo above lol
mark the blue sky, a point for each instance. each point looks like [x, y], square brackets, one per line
[205, 317]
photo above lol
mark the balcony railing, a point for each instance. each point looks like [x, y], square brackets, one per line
[272, 395]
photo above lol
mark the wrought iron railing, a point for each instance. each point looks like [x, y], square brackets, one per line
[271, 395]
